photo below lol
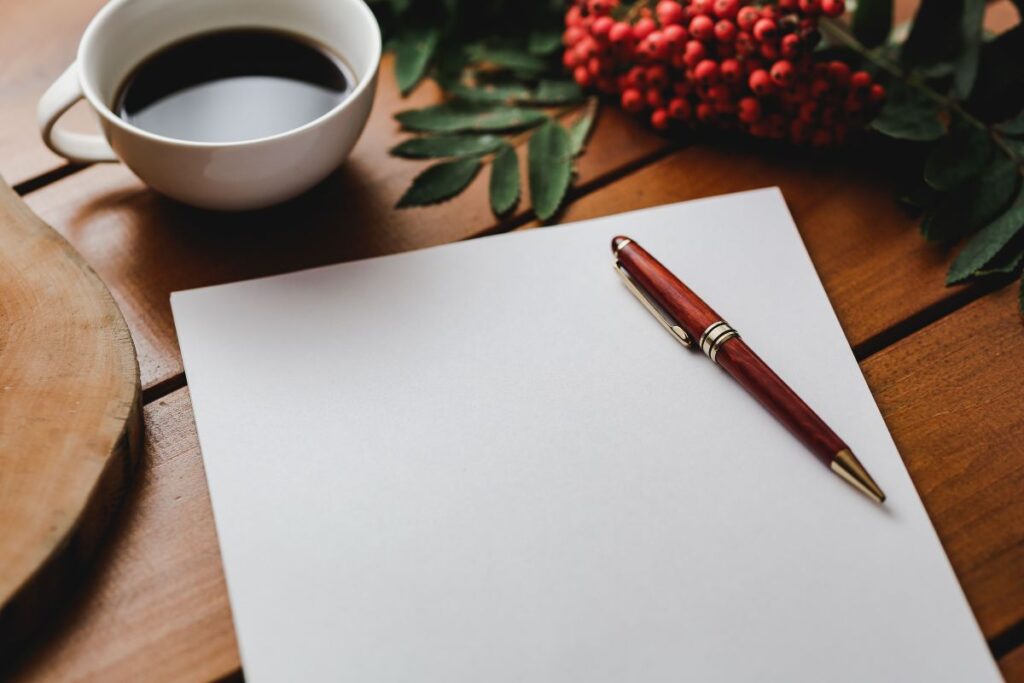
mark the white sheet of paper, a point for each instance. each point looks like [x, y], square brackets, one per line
[487, 462]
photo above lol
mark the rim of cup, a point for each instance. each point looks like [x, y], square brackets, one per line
[104, 110]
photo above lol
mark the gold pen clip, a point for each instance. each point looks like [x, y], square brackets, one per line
[665, 319]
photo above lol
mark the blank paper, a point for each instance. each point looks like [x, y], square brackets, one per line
[487, 462]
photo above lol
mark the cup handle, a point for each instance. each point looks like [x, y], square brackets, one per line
[77, 147]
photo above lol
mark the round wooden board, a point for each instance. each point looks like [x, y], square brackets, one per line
[70, 417]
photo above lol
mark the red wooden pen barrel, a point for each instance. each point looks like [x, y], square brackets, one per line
[723, 345]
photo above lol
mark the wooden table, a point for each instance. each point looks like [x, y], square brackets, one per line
[155, 606]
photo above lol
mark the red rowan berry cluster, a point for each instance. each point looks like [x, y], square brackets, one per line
[726, 63]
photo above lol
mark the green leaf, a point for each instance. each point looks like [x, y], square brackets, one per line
[508, 58]
[414, 47]
[970, 47]
[909, 115]
[973, 204]
[998, 92]
[1013, 127]
[1005, 262]
[492, 93]
[550, 168]
[439, 182]
[872, 21]
[434, 147]
[453, 117]
[958, 157]
[557, 92]
[989, 241]
[543, 41]
[504, 181]
[580, 129]
[935, 33]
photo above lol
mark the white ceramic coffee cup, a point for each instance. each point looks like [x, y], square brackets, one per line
[230, 176]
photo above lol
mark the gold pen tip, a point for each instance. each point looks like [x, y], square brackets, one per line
[847, 466]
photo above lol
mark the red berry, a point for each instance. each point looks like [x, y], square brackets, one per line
[637, 77]
[745, 44]
[789, 5]
[725, 31]
[765, 29]
[791, 46]
[599, 7]
[782, 73]
[654, 46]
[749, 110]
[706, 71]
[657, 76]
[747, 17]
[819, 86]
[718, 93]
[675, 36]
[620, 34]
[702, 6]
[838, 72]
[654, 98]
[574, 17]
[573, 35]
[810, 7]
[659, 119]
[726, 9]
[582, 76]
[669, 12]
[702, 27]
[876, 94]
[681, 88]
[694, 52]
[632, 101]
[643, 27]
[601, 26]
[705, 112]
[860, 80]
[833, 8]
[730, 70]
[760, 82]
[678, 108]
[769, 51]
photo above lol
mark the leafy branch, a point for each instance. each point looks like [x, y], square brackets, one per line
[499, 65]
[954, 93]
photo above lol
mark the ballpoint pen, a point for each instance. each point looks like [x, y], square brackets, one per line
[688, 318]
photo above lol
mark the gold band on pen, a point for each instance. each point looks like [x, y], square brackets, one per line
[714, 336]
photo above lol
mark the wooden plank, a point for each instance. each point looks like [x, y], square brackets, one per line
[155, 606]
[867, 249]
[161, 575]
[38, 40]
[952, 398]
[1012, 666]
[145, 246]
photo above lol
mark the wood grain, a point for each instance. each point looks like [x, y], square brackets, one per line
[1012, 666]
[38, 40]
[952, 398]
[154, 607]
[70, 420]
[145, 246]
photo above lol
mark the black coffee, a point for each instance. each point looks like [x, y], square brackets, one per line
[233, 85]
